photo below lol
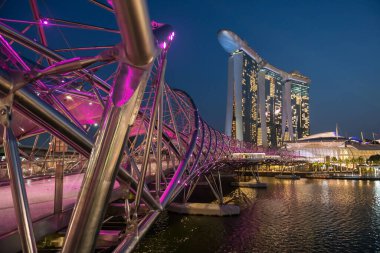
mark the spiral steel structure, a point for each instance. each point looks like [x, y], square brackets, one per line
[112, 105]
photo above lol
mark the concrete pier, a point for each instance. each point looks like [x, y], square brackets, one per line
[204, 209]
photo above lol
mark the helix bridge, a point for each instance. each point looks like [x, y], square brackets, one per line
[103, 113]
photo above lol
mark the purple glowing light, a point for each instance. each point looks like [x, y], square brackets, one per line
[171, 36]
[163, 45]
[44, 21]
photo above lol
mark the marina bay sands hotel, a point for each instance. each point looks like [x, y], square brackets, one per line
[265, 105]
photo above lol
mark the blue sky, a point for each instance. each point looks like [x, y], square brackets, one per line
[336, 43]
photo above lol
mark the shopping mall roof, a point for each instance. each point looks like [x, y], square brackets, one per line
[326, 136]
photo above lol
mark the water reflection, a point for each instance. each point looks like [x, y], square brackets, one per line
[302, 215]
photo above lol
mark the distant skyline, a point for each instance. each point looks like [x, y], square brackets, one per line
[335, 43]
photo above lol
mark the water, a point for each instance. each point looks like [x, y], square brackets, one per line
[307, 215]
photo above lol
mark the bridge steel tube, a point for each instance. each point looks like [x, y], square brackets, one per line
[27, 103]
[48, 53]
[121, 111]
[19, 197]
[194, 169]
[42, 114]
[200, 148]
[209, 145]
[100, 176]
[175, 184]
[12, 54]
[37, 18]
[58, 190]
[136, 33]
[159, 129]
[148, 142]
[130, 242]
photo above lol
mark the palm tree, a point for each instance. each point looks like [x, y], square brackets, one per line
[333, 161]
[347, 161]
[354, 163]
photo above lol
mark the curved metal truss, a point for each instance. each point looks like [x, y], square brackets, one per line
[110, 104]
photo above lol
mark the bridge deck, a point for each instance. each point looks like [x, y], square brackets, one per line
[41, 199]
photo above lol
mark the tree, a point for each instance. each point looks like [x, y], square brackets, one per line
[347, 161]
[333, 161]
[315, 166]
[374, 159]
[354, 162]
[340, 161]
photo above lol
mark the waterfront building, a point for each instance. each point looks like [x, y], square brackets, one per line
[330, 146]
[242, 122]
[265, 105]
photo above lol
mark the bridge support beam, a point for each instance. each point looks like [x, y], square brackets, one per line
[103, 167]
[130, 242]
[215, 187]
[148, 142]
[58, 193]
[253, 183]
[19, 197]
[121, 111]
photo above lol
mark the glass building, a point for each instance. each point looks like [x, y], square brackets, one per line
[242, 114]
[300, 107]
[249, 98]
[265, 105]
[273, 107]
[330, 146]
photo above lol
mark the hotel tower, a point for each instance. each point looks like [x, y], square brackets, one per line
[265, 105]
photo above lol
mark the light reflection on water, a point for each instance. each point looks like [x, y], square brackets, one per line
[301, 215]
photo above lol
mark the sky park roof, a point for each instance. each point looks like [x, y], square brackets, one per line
[231, 42]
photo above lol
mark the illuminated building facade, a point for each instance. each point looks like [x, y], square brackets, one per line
[272, 107]
[242, 123]
[249, 98]
[329, 145]
[300, 107]
[265, 105]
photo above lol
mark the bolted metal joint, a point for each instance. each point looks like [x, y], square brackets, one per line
[19, 79]
[5, 116]
[135, 29]
[119, 53]
[6, 110]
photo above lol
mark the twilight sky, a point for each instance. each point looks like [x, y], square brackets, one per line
[334, 42]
